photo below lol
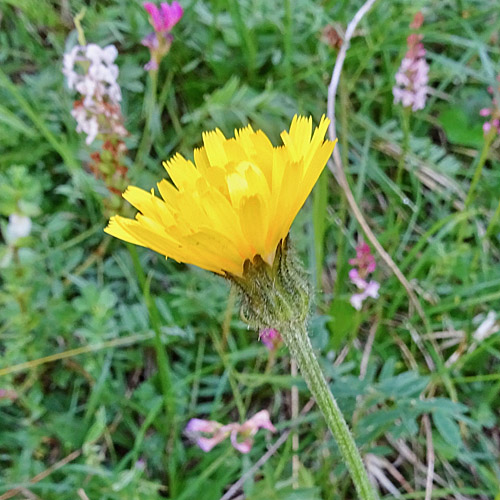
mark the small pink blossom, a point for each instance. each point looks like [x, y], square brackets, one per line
[162, 19]
[365, 265]
[493, 124]
[270, 338]
[370, 289]
[364, 259]
[208, 433]
[8, 394]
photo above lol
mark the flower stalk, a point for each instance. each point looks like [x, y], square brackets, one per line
[297, 340]
[279, 295]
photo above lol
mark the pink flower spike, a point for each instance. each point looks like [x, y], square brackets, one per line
[171, 14]
[485, 112]
[155, 15]
[486, 127]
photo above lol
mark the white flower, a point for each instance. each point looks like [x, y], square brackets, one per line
[370, 290]
[99, 112]
[109, 54]
[19, 226]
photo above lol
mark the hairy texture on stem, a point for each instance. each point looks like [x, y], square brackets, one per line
[301, 350]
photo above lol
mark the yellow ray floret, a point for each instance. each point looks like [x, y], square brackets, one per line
[237, 200]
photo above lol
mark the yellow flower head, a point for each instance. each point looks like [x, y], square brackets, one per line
[238, 202]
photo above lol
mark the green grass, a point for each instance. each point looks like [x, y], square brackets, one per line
[106, 311]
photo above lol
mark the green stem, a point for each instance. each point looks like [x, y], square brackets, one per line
[480, 164]
[247, 41]
[287, 44]
[475, 179]
[405, 125]
[493, 222]
[301, 349]
[146, 141]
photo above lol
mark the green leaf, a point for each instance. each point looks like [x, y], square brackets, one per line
[448, 429]
[458, 129]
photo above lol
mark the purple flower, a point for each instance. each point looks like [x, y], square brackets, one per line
[364, 259]
[413, 74]
[163, 19]
[370, 289]
[247, 431]
[8, 394]
[493, 112]
[270, 338]
[208, 433]
[365, 265]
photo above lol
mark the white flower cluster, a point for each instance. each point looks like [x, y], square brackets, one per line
[90, 71]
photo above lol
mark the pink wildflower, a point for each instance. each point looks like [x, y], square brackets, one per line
[364, 259]
[365, 265]
[412, 77]
[208, 433]
[162, 19]
[493, 112]
[270, 338]
[8, 394]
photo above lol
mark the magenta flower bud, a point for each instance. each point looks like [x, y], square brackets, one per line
[163, 19]
[156, 18]
[486, 127]
[485, 112]
[172, 14]
[270, 338]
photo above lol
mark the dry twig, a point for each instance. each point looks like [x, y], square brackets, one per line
[430, 457]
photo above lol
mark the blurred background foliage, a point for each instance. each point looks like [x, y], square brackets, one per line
[92, 421]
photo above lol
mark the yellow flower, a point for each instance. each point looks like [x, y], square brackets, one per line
[238, 202]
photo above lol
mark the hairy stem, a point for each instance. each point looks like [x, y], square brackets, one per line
[301, 350]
